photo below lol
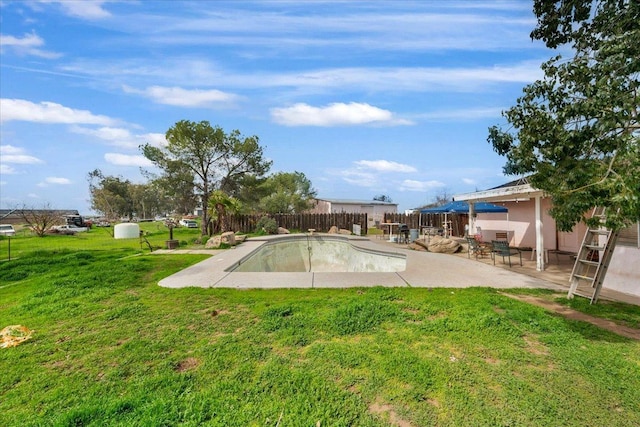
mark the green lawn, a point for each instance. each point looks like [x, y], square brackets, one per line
[110, 347]
[156, 233]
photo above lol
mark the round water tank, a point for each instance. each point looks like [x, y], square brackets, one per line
[126, 231]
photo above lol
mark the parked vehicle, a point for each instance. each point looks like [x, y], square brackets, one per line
[78, 221]
[189, 223]
[7, 230]
[69, 228]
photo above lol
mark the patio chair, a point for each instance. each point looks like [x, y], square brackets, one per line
[502, 235]
[501, 248]
[476, 248]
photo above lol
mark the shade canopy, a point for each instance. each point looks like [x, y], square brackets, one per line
[460, 206]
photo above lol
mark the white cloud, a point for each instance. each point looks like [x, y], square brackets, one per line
[469, 181]
[188, 72]
[369, 173]
[114, 136]
[413, 185]
[463, 114]
[420, 79]
[336, 114]
[57, 180]
[121, 137]
[383, 26]
[127, 160]
[90, 10]
[358, 178]
[54, 180]
[11, 154]
[180, 97]
[385, 166]
[7, 170]
[48, 112]
[155, 139]
[27, 45]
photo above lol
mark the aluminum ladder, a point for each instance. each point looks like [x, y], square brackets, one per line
[593, 260]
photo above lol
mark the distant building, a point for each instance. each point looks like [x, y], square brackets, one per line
[14, 216]
[374, 209]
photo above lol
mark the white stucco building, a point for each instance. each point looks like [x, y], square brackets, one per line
[374, 209]
[528, 223]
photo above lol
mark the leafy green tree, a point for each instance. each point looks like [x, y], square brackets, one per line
[287, 192]
[576, 130]
[145, 200]
[221, 205]
[382, 198]
[174, 195]
[208, 158]
[249, 192]
[110, 195]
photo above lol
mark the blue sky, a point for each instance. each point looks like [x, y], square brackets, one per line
[363, 97]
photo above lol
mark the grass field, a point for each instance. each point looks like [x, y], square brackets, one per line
[110, 347]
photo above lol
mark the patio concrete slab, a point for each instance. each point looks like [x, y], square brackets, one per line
[346, 280]
[424, 269]
[265, 280]
[207, 273]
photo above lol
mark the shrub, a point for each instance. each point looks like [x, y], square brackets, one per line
[266, 225]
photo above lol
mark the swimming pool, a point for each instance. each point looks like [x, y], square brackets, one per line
[314, 253]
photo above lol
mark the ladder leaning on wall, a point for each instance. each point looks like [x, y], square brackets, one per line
[593, 260]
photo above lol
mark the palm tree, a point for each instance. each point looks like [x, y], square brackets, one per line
[221, 205]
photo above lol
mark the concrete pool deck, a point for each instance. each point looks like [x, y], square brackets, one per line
[424, 269]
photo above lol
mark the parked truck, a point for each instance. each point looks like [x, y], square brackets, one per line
[78, 221]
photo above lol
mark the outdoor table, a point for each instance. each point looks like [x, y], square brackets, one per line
[390, 225]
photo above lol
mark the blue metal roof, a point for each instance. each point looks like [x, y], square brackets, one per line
[460, 206]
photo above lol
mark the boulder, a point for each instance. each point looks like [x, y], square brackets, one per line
[228, 237]
[213, 242]
[333, 230]
[241, 238]
[422, 243]
[439, 244]
[282, 230]
[417, 246]
[344, 231]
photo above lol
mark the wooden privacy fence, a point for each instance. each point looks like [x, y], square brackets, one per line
[300, 222]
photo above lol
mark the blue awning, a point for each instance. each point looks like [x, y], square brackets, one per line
[461, 206]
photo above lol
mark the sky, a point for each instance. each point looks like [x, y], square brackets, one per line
[366, 98]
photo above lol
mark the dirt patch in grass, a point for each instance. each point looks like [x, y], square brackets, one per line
[434, 402]
[534, 346]
[393, 418]
[499, 310]
[492, 361]
[569, 313]
[187, 364]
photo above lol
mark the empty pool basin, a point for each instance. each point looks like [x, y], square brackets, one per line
[314, 253]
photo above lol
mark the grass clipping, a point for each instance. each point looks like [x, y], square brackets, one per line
[14, 335]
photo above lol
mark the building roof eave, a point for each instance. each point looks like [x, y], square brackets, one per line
[501, 194]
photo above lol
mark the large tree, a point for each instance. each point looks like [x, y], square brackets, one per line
[575, 131]
[208, 158]
[287, 192]
[115, 197]
[110, 195]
